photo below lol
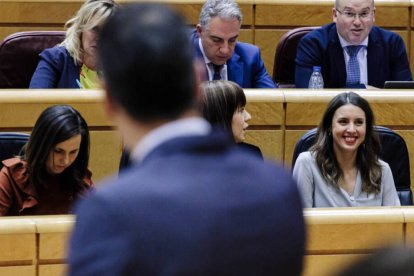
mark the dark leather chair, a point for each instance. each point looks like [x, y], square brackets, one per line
[19, 56]
[284, 64]
[11, 144]
[393, 151]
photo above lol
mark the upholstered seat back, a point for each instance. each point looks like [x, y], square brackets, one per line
[11, 144]
[19, 56]
[284, 63]
[393, 151]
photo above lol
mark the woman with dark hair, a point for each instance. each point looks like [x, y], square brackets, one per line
[53, 169]
[224, 105]
[343, 167]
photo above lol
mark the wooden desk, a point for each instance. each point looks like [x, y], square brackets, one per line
[335, 238]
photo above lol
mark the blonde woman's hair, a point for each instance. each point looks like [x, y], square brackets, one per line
[92, 14]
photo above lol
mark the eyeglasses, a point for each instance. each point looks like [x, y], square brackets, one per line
[352, 15]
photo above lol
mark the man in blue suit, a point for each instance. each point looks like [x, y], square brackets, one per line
[215, 44]
[191, 203]
[378, 55]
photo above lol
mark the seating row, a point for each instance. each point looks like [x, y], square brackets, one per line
[335, 238]
[279, 118]
[264, 21]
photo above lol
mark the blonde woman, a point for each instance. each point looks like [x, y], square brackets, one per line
[72, 63]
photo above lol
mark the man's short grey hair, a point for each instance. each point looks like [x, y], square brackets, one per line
[337, 3]
[224, 9]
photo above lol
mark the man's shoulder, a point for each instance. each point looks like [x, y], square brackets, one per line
[321, 34]
[244, 47]
[384, 35]
[182, 168]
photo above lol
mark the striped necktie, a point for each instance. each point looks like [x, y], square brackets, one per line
[353, 75]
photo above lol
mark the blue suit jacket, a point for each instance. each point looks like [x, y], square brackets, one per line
[386, 60]
[56, 69]
[245, 67]
[194, 206]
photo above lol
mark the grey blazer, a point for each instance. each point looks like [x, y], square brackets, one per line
[315, 192]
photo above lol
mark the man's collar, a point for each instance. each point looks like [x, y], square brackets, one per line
[206, 60]
[178, 128]
[345, 43]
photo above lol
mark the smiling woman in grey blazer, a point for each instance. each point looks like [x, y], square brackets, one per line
[343, 168]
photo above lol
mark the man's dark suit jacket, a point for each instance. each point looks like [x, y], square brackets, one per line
[245, 67]
[386, 60]
[194, 206]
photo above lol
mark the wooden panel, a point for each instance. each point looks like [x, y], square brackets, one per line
[24, 12]
[247, 11]
[246, 35]
[267, 41]
[29, 270]
[54, 232]
[21, 108]
[269, 141]
[409, 219]
[265, 113]
[18, 247]
[291, 138]
[53, 270]
[293, 15]
[106, 149]
[265, 106]
[52, 246]
[190, 11]
[392, 16]
[393, 114]
[391, 107]
[410, 234]
[352, 238]
[304, 114]
[8, 30]
[325, 265]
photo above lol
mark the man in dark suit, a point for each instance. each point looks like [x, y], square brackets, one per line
[352, 51]
[191, 203]
[215, 43]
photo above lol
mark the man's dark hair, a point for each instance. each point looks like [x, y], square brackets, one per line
[146, 61]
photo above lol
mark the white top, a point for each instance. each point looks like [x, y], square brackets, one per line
[209, 65]
[315, 192]
[361, 56]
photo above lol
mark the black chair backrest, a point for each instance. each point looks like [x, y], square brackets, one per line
[393, 151]
[19, 56]
[11, 144]
[284, 63]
